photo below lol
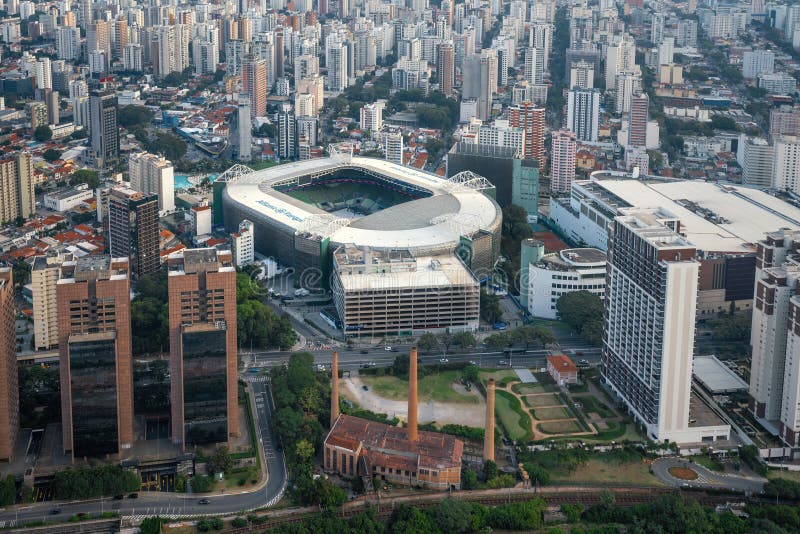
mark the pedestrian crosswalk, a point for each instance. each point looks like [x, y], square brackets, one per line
[257, 379]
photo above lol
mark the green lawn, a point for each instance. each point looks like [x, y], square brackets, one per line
[543, 414]
[524, 389]
[499, 375]
[559, 427]
[436, 387]
[599, 472]
[515, 421]
[592, 405]
[543, 400]
[710, 463]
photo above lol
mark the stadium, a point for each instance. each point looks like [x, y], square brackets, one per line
[304, 211]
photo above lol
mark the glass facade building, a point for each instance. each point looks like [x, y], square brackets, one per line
[204, 386]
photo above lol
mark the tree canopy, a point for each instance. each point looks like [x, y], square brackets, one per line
[51, 154]
[132, 116]
[43, 133]
[583, 312]
[85, 176]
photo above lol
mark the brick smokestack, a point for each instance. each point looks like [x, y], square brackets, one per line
[334, 388]
[488, 439]
[413, 433]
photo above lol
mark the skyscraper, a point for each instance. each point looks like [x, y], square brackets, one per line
[103, 128]
[648, 341]
[154, 175]
[244, 127]
[445, 67]
[488, 82]
[583, 113]
[133, 229]
[203, 357]
[254, 83]
[94, 332]
[637, 121]
[9, 390]
[98, 37]
[562, 161]
[17, 195]
[287, 134]
[528, 116]
[785, 170]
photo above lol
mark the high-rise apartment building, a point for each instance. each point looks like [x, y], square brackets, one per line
[44, 277]
[581, 75]
[95, 356]
[68, 43]
[583, 113]
[756, 62]
[170, 51]
[17, 196]
[103, 128]
[287, 134]
[203, 347]
[243, 245]
[244, 127]
[757, 162]
[562, 160]
[648, 340]
[393, 147]
[775, 335]
[132, 57]
[154, 175]
[620, 57]
[785, 168]
[531, 118]
[9, 389]
[488, 82]
[637, 120]
[445, 67]
[254, 83]
[121, 36]
[784, 120]
[336, 62]
[372, 116]
[133, 228]
[98, 37]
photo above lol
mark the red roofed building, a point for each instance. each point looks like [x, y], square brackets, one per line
[561, 368]
[357, 447]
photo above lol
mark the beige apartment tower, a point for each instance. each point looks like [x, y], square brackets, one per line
[203, 357]
[16, 188]
[44, 279]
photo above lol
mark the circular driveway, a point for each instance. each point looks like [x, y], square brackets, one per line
[706, 478]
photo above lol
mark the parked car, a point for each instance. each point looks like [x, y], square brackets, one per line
[133, 496]
[203, 501]
[444, 360]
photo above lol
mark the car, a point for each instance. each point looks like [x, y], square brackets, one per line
[473, 362]
[364, 351]
[444, 360]
[133, 496]
[119, 497]
[387, 348]
[55, 511]
[365, 388]
[203, 501]
[502, 362]
[372, 364]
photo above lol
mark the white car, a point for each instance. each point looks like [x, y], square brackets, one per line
[387, 348]
[444, 360]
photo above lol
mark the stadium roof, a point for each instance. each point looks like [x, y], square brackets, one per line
[457, 206]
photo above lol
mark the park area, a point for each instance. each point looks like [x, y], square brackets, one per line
[542, 411]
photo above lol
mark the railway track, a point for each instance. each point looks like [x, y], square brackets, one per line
[554, 496]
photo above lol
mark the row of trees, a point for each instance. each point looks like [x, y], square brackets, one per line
[259, 325]
[583, 312]
[451, 516]
[524, 335]
[301, 415]
[428, 341]
[94, 482]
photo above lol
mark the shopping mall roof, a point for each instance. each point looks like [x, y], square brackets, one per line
[716, 376]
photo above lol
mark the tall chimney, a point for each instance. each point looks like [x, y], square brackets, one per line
[334, 388]
[413, 433]
[488, 438]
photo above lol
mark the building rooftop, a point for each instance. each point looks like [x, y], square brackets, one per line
[583, 256]
[562, 363]
[714, 217]
[716, 376]
[389, 446]
[425, 271]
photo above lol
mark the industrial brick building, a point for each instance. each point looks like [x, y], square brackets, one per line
[356, 447]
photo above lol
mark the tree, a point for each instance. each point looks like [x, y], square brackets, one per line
[501, 481]
[465, 340]
[51, 155]
[454, 516]
[79, 134]
[132, 116]
[427, 342]
[221, 460]
[446, 339]
[583, 312]
[469, 479]
[8, 491]
[470, 373]
[43, 133]
[491, 312]
[490, 470]
[151, 525]
[720, 122]
[85, 176]
[268, 130]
